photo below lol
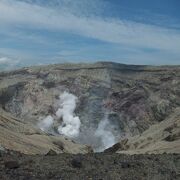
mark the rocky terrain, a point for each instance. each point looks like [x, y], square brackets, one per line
[123, 109]
[132, 98]
[95, 166]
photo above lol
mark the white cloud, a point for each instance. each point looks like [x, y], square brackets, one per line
[34, 16]
[4, 60]
[83, 18]
[7, 63]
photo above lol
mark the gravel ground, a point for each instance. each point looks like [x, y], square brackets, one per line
[97, 166]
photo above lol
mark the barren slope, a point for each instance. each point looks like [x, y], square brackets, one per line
[23, 137]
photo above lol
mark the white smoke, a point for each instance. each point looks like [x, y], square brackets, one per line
[46, 123]
[71, 123]
[101, 138]
[106, 136]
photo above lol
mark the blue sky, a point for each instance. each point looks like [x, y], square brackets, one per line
[58, 31]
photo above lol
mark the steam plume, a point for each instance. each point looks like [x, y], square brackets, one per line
[46, 123]
[100, 138]
[71, 123]
[106, 136]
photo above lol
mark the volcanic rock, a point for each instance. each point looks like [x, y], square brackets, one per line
[11, 164]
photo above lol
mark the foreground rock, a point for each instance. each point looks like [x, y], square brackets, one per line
[11, 164]
[91, 167]
[77, 162]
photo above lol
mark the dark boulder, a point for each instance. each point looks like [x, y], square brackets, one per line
[11, 164]
[51, 153]
[76, 162]
[125, 165]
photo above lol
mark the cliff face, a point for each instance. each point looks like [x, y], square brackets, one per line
[131, 98]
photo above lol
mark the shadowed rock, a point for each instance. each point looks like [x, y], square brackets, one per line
[76, 162]
[11, 164]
